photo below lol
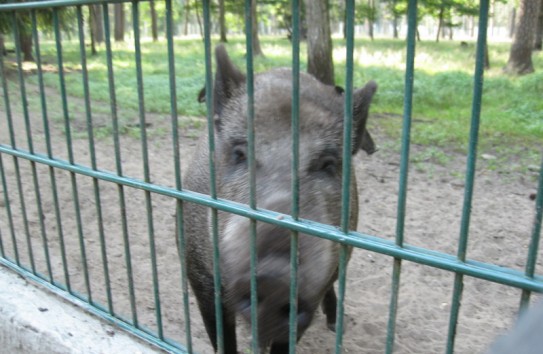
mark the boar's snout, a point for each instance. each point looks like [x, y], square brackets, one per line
[273, 287]
[273, 270]
[273, 307]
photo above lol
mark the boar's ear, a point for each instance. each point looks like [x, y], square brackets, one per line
[202, 95]
[361, 105]
[228, 79]
[368, 145]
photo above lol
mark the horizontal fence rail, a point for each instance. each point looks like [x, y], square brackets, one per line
[56, 275]
[420, 255]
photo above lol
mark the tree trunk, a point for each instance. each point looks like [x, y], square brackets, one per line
[187, 13]
[344, 22]
[154, 29]
[222, 22]
[440, 23]
[395, 19]
[199, 21]
[119, 22]
[371, 5]
[319, 41]
[492, 16]
[2, 46]
[520, 56]
[257, 50]
[539, 30]
[487, 58]
[395, 26]
[92, 31]
[95, 22]
[512, 22]
[25, 42]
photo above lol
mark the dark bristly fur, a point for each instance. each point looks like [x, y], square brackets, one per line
[321, 127]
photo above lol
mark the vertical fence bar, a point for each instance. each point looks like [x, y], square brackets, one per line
[67, 132]
[346, 169]
[24, 104]
[145, 158]
[212, 178]
[37, 194]
[8, 212]
[213, 190]
[534, 242]
[118, 165]
[252, 172]
[177, 168]
[2, 74]
[92, 152]
[470, 172]
[15, 161]
[49, 149]
[37, 191]
[2, 253]
[295, 179]
[404, 169]
[52, 177]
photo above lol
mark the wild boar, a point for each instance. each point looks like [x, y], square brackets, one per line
[321, 144]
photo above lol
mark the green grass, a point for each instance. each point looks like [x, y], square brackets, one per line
[512, 111]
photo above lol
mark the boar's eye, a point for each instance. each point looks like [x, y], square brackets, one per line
[239, 154]
[327, 163]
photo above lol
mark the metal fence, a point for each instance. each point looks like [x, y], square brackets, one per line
[34, 178]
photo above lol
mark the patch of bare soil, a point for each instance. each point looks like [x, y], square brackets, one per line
[500, 231]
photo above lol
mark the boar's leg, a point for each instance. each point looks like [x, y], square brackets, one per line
[329, 307]
[204, 290]
[229, 330]
[279, 348]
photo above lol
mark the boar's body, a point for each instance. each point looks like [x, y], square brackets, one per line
[321, 127]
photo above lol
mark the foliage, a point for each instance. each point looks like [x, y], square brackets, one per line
[44, 19]
[366, 11]
[433, 8]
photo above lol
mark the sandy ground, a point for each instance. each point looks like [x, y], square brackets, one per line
[502, 216]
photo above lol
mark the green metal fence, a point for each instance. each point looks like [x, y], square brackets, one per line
[16, 228]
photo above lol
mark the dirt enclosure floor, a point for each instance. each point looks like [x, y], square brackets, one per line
[500, 231]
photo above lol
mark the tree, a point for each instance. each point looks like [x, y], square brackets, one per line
[197, 7]
[281, 10]
[367, 13]
[95, 26]
[154, 29]
[222, 21]
[512, 22]
[520, 55]
[396, 14]
[44, 22]
[257, 49]
[25, 42]
[24, 29]
[319, 41]
[95, 22]
[2, 47]
[118, 11]
[539, 30]
[442, 10]
[445, 10]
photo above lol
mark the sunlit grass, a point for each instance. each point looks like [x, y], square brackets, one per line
[442, 106]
